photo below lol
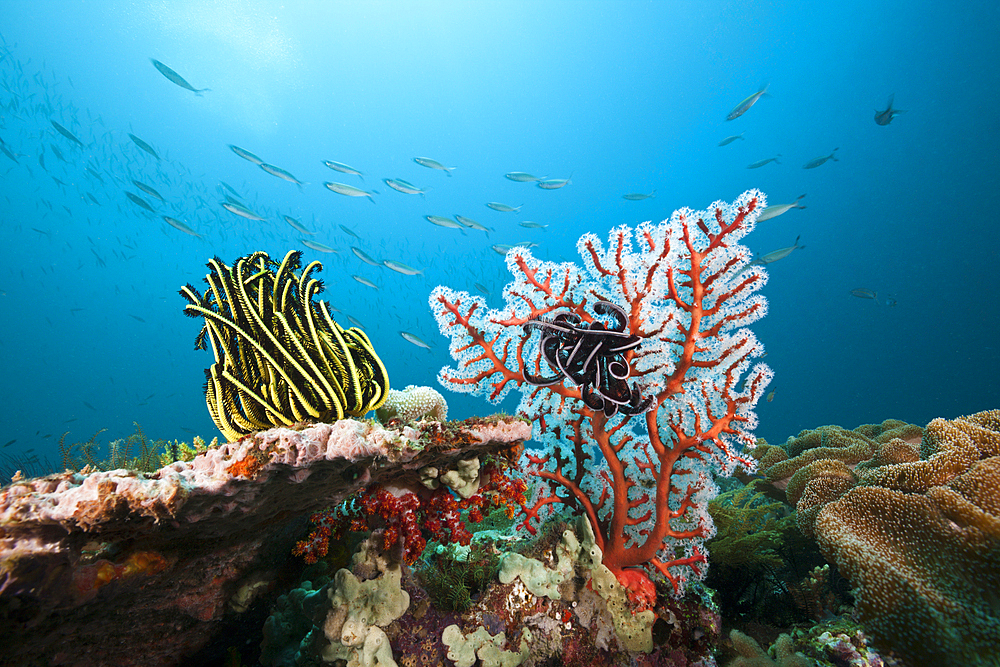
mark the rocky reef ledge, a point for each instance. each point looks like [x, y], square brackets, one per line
[131, 568]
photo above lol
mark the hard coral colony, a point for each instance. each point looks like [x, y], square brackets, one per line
[686, 290]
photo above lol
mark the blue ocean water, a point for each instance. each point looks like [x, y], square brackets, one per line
[619, 97]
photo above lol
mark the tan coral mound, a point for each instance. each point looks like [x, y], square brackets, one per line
[413, 403]
[920, 539]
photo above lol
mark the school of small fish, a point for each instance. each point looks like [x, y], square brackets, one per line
[102, 172]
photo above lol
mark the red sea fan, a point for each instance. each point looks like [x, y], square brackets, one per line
[688, 292]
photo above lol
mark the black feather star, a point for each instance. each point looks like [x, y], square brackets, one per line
[592, 356]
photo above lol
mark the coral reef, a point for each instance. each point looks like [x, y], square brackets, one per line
[453, 575]
[550, 606]
[413, 403]
[151, 455]
[916, 528]
[752, 655]
[279, 356]
[92, 566]
[407, 516]
[681, 294]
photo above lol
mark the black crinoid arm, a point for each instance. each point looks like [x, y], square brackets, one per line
[591, 356]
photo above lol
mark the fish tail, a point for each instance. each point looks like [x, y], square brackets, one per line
[202, 90]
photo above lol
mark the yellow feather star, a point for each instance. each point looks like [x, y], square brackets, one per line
[279, 356]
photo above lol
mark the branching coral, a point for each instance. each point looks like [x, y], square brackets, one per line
[686, 291]
[279, 356]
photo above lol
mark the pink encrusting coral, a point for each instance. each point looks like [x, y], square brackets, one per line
[681, 360]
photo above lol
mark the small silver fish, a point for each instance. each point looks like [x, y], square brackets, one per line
[553, 183]
[482, 288]
[66, 133]
[177, 224]
[350, 232]
[399, 267]
[472, 224]
[638, 196]
[760, 163]
[441, 221]
[148, 190]
[355, 321]
[521, 177]
[140, 202]
[433, 164]
[229, 187]
[865, 293]
[281, 173]
[296, 225]
[504, 208]
[365, 281]
[143, 145]
[176, 78]
[775, 255]
[885, 117]
[348, 190]
[778, 209]
[364, 257]
[318, 247]
[745, 105]
[815, 162]
[411, 338]
[532, 225]
[241, 211]
[729, 140]
[343, 168]
[246, 155]
[501, 248]
[402, 186]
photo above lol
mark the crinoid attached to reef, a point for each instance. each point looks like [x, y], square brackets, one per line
[279, 356]
[591, 355]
